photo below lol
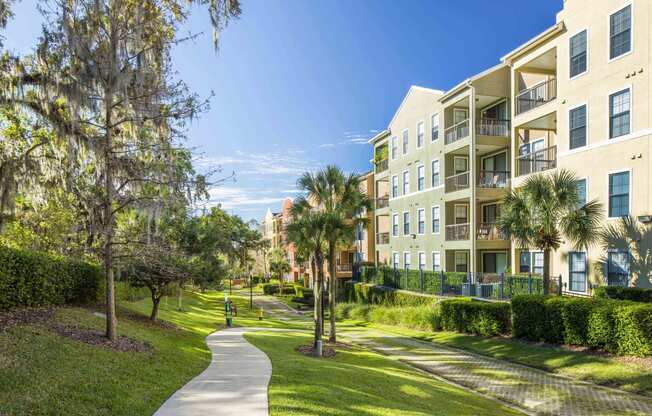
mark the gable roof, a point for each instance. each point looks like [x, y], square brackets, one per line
[413, 88]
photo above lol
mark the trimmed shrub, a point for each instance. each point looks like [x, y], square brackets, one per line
[380, 295]
[553, 321]
[635, 294]
[633, 329]
[601, 327]
[475, 317]
[527, 313]
[575, 314]
[38, 279]
[424, 317]
[274, 288]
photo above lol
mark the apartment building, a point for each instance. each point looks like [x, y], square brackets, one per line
[272, 228]
[577, 96]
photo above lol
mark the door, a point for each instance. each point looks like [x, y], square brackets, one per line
[494, 262]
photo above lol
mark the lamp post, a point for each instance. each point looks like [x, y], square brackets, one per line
[251, 290]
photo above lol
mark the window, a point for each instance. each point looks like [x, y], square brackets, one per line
[407, 260]
[421, 221]
[422, 260]
[577, 271]
[619, 120]
[395, 260]
[619, 194]
[360, 232]
[620, 32]
[406, 223]
[461, 214]
[577, 125]
[531, 262]
[394, 186]
[434, 132]
[421, 178]
[435, 220]
[435, 173]
[436, 261]
[461, 261]
[405, 141]
[581, 192]
[578, 54]
[394, 147]
[406, 182]
[421, 131]
[618, 268]
[395, 225]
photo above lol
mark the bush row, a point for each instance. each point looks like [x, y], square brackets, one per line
[274, 288]
[621, 327]
[635, 294]
[423, 317]
[475, 317]
[38, 279]
[380, 295]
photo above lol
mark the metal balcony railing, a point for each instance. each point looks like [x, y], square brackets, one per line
[457, 132]
[382, 238]
[382, 202]
[536, 96]
[457, 182]
[382, 165]
[346, 267]
[457, 232]
[493, 179]
[537, 161]
[489, 231]
[493, 127]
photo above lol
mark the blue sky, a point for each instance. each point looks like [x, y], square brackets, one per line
[300, 84]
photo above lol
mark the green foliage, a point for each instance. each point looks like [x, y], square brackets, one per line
[37, 279]
[475, 317]
[381, 295]
[526, 316]
[273, 289]
[633, 329]
[423, 317]
[623, 293]
[602, 327]
[575, 314]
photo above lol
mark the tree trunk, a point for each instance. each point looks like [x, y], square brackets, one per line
[546, 271]
[332, 289]
[111, 322]
[180, 297]
[319, 319]
[156, 301]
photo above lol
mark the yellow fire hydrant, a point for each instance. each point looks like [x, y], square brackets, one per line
[260, 314]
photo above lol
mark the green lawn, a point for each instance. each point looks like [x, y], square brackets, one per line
[610, 371]
[42, 373]
[357, 382]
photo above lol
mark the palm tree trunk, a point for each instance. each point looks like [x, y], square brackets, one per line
[331, 298]
[319, 319]
[546, 271]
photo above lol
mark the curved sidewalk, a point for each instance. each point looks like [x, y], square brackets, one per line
[235, 382]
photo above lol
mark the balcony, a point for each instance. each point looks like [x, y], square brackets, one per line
[457, 232]
[536, 96]
[457, 182]
[346, 267]
[493, 127]
[493, 179]
[382, 202]
[382, 165]
[537, 161]
[457, 132]
[489, 231]
[382, 238]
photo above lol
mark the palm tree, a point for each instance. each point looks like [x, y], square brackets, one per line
[339, 198]
[547, 209]
[307, 231]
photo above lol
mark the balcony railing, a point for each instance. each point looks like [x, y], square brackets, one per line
[489, 231]
[457, 182]
[457, 132]
[346, 267]
[536, 96]
[493, 179]
[537, 161]
[382, 202]
[382, 238]
[493, 127]
[382, 165]
[457, 232]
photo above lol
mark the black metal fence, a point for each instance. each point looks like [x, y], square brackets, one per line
[481, 285]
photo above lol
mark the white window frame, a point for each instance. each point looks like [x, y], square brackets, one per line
[586, 181]
[630, 88]
[409, 223]
[406, 184]
[396, 260]
[466, 253]
[398, 225]
[631, 31]
[586, 271]
[424, 264]
[629, 196]
[432, 163]
[468, 166]
[586, 140]
[433, 116]
[393, 141]
[432, 208]
[468, 213]
[405, 147]
[419, 211]
[407, 255]
[423, 135]
[588, 43]
[394, 179]
[423, 169]
[432, 259]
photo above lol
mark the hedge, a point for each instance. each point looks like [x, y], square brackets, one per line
[29, 279]
[621, 327]
[475, 317]
[273, 289]
[423, 317]
[635, 294]
[380, 295]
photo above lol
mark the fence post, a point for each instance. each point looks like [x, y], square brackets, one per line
[421, 279]
[559, 286]
[529, 283]
[502, 285]
[441, 283]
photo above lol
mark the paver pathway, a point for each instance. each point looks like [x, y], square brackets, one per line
[535, 391]
[234, 384]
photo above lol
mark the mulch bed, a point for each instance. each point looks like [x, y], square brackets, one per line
[27, 316]
[328, 350]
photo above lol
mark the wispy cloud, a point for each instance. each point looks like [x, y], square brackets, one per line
[351, 138]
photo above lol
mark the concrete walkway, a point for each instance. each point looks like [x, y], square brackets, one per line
[234, 384]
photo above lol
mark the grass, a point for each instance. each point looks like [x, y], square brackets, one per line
[45, 374]
[604, 370]
[357, 382]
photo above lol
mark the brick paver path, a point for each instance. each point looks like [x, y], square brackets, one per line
[533, 390]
